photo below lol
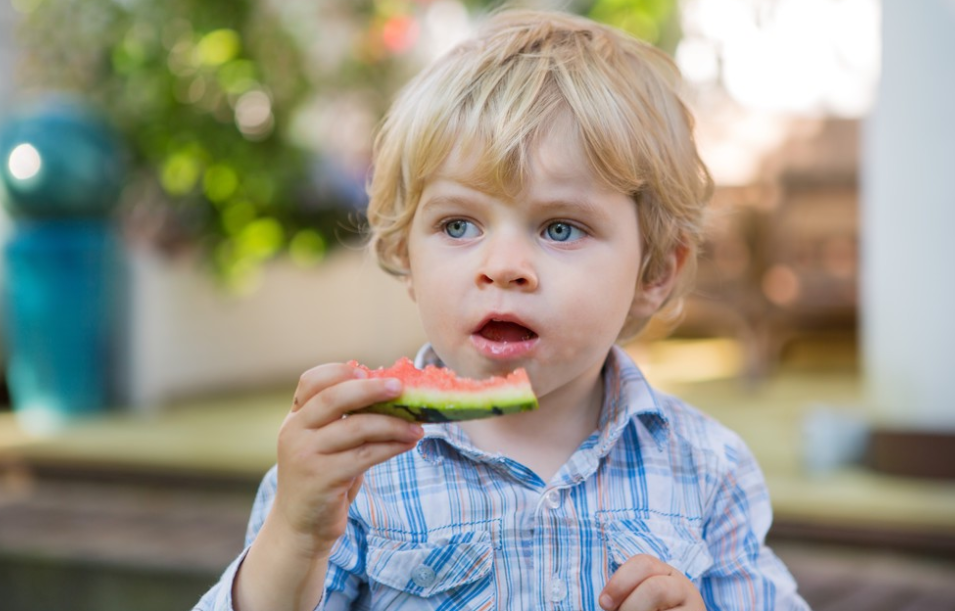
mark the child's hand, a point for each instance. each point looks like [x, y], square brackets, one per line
[323, 455]
[645, 583]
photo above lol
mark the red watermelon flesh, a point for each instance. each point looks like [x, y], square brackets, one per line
[437, 394]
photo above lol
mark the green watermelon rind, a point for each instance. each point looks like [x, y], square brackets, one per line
[419, 407]
[434, 406]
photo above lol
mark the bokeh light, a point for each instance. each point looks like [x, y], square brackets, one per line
[253, 114]
[24, 162]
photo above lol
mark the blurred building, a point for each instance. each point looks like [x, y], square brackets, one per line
[781, 259]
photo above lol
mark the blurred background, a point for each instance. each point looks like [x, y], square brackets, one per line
[182, 189]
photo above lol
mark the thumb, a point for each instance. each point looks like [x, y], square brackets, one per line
[355, 487]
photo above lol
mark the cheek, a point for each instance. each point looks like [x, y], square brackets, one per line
[625, 292]
[600, 310]
[616, 281]
[436, 289]
[434, 276]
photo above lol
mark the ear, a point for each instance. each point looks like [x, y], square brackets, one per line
[403, 258]
[409, 285]
[653, 293]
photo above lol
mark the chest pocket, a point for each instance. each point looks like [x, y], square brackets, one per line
[678, 545]
[449, 572]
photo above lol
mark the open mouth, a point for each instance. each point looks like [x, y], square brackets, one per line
[505, 332]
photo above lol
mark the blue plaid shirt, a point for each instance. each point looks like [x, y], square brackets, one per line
[447, 526]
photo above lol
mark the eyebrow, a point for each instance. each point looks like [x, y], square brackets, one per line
[578, 204]
[448, 200]
[560, 206]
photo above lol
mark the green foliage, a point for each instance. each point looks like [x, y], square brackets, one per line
[203, 91]
[655, 21]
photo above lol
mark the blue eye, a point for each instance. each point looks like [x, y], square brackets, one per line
[562, 232]
[459, 228]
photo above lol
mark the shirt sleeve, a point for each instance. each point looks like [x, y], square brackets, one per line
[344, 579]
[219, 597]
[746, 574]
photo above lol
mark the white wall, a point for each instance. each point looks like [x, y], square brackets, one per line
[189, 337]
[908, 221]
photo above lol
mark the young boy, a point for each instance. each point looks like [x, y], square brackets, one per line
[540, 193]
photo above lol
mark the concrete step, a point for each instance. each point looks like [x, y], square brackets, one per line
[90, 543]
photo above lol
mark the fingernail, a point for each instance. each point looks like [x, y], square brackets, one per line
[605, 602]
[359, 373]
[393, 386]
[416, 430]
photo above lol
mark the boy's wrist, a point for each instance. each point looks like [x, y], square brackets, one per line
[307, 546]
[283, 569]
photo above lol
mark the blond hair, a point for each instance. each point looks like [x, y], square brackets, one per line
[498, 94]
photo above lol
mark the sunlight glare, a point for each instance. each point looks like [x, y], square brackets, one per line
[24, 162]
[800, 56]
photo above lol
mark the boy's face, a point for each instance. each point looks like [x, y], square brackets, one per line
[543, 281]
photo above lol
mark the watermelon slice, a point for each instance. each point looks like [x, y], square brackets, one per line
[437, 394]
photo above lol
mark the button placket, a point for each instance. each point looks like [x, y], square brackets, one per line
[557, 589]
[552, 498]
[527, 532]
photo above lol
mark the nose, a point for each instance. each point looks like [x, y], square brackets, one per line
[508, 263]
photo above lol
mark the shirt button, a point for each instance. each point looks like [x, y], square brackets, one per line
[557, 589]
[423, 576]
[552, 498]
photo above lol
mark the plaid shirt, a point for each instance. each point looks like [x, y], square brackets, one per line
[447, 526]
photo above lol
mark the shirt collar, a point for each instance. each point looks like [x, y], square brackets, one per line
[627, 397]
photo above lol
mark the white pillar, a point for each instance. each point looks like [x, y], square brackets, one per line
[908, 222]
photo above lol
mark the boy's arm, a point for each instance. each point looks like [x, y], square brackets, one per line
[219, 597]
[745, 573]
[322, 457]
[280, 572]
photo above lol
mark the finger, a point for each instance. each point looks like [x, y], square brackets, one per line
[630, 575]
[656, 593]
[355, 462]
[321, 377]
[360, 429]
[335, 401]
